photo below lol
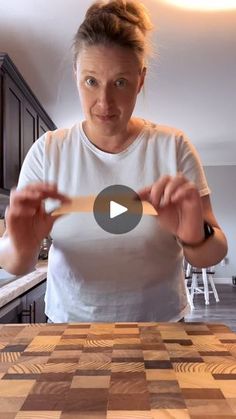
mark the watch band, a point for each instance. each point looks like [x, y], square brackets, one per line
[208, 232]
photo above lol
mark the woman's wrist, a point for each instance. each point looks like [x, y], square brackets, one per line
[208, 232]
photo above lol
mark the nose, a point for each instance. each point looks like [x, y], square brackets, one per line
[105, 98]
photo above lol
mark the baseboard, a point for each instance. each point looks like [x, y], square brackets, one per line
[223, 280]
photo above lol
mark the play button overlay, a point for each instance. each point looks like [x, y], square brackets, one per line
[117, 209]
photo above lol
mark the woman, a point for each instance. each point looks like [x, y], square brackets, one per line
[94, 275]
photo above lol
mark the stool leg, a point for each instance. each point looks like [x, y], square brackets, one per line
[188, 270]
[213, 288]
[205, 284]
[193, 286]
[190, 301]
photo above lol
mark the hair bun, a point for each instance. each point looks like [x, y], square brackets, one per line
[115, 22]
[130, 11]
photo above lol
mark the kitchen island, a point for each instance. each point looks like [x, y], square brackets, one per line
[117, 371]
[22, 297]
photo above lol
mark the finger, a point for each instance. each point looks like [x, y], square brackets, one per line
[44, 187]
[55, 217]
[49, 191]
[36, 186]
[25, 212]
[144, 194]
[41, 186]
[158, 189]
[25, 199]
[6, 211]
[188, 191]
[171, 187]
[34, 197]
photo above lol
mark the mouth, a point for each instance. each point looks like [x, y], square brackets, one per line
[105, 118]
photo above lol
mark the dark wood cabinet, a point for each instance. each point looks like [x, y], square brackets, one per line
[30, 133]
[11, 312]
[42, 127]
[27, 308]
[12, 132]
[22, 121]
[33, 305]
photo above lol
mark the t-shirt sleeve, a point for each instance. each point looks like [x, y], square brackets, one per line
[188, 163]
[32, 170]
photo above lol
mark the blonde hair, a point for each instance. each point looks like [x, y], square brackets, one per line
[123, 23]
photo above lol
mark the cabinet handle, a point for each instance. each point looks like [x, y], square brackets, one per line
[31, 313]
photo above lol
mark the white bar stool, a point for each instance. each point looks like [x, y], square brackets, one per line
[207, 276]
[187, 277]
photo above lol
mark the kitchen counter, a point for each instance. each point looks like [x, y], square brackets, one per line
[22, 284]
[117, 371]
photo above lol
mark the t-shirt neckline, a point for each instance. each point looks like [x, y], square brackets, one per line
[107, 155]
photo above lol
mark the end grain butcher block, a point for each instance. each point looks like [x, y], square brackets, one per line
[117, 371]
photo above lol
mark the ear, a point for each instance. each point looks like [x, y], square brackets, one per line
[142, 78]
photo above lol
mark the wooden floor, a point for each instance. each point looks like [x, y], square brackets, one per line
[222, 312]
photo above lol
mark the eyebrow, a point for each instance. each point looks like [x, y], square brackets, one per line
[94, 72]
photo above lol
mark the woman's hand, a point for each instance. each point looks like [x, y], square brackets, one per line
[179, 207]
[27, 223]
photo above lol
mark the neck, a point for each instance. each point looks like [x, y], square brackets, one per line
[115, 143]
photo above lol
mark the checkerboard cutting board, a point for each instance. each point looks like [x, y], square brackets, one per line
[117, 371]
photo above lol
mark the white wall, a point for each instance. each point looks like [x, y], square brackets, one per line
[222, 181]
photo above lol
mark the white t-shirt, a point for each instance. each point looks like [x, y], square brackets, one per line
[97, 276]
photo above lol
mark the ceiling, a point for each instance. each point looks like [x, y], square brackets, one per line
[191, 81]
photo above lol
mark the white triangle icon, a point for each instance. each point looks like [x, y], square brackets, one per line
[116, 209]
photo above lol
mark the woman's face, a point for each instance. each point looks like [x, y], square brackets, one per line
[108, 80]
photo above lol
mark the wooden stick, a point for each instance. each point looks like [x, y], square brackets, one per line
[148, 209]
[86, 203]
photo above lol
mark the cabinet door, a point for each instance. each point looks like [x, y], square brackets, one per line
[11, 312]
[29, 129]
[34, 306]
[1, 128]
[13, 133]
[42, 127]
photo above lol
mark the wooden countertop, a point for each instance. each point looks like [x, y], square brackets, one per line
[117, 371]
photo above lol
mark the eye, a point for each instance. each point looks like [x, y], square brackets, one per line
[90, 81]
[120, 82]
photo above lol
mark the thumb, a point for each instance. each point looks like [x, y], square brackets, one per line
[49, 215]
[144, 194]
[56, 217]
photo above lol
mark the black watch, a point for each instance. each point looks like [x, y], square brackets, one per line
[208, 232]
